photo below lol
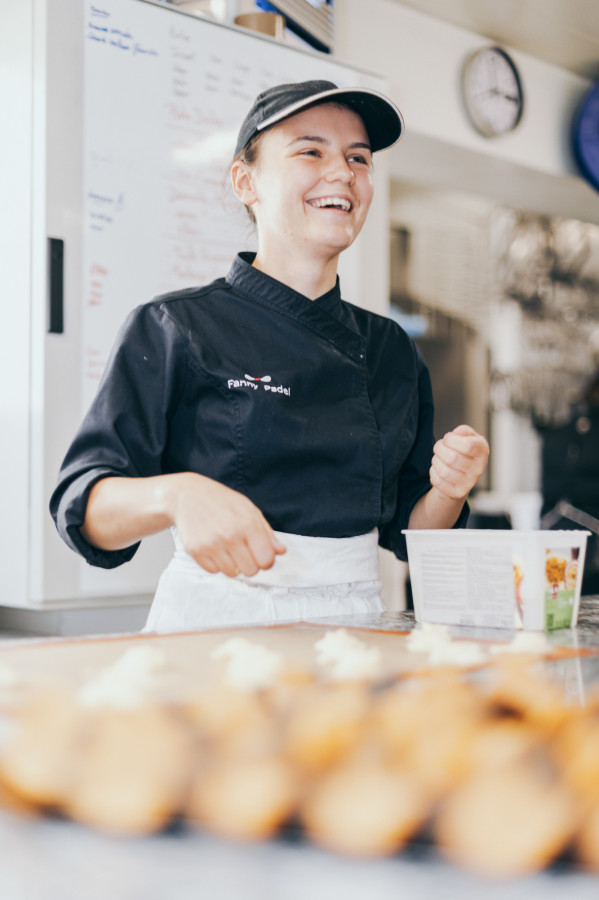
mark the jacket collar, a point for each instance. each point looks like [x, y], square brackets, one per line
[244, 276]
[321, 315]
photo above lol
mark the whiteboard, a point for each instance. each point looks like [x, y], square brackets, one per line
[164, 93]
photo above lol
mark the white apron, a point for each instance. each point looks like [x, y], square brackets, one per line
[316, 577]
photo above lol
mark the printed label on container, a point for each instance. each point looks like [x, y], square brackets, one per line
[561, 573]
[462, 586]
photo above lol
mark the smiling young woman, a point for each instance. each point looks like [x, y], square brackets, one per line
[310, 190]
[280, 432]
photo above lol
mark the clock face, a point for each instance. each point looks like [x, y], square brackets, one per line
[492, 91]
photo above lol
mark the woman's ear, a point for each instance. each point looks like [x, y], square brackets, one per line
[243, 183]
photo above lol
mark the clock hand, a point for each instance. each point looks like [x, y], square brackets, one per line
[495, 92]
[493, 71]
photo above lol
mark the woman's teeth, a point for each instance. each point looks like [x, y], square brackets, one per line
[336, 202]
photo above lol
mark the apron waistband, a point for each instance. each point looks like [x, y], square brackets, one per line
[308, 562]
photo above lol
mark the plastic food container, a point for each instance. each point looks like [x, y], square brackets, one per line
[497, 579]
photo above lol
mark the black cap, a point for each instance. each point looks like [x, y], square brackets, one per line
[382, 119]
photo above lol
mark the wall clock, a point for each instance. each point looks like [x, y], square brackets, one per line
[585, 136]
[492, 91]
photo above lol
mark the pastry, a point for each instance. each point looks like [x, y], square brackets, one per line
[37, 763]
[425, 726]
[506, 822]
[218, 713]
[576, 748]
[497, 742]
[12, 802]
[516, 689]
[133, 771]
[364, 810]
[245, 799]
[325, 725]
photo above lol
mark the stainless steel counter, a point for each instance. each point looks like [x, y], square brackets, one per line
[57, 860]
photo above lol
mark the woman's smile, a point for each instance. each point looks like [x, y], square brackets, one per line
[337, 204]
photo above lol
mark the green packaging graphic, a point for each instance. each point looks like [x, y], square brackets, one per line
[561, 574]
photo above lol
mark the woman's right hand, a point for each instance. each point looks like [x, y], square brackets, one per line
[219, 527]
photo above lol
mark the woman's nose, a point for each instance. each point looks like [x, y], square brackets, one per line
[340, 170]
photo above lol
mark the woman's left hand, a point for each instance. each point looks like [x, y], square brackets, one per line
[458, 462]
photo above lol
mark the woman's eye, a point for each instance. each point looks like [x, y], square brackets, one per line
[357, 157]
[311, 151]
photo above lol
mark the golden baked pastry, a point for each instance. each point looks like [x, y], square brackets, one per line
[245, 799]
[12, 802]
[133, 771]
[516, 689]
[37, 763]
[497, 742]
[576, 748]
[325, 725]
[425, 726]
[364, 810]
[506, 822]
[221, 712]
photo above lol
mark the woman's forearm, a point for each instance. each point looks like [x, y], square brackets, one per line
[435, 510]
[122, 511]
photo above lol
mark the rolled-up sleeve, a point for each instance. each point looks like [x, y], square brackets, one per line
[125, 431]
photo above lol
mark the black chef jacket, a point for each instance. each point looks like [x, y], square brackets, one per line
[319, 411]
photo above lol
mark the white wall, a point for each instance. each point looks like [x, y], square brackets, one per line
[16, 98]
[422, 59]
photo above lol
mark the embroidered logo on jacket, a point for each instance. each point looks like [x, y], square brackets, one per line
[251, 381]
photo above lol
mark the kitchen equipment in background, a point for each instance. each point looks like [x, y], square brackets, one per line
[454, 348]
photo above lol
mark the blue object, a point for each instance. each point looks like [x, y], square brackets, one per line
[586, 136]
